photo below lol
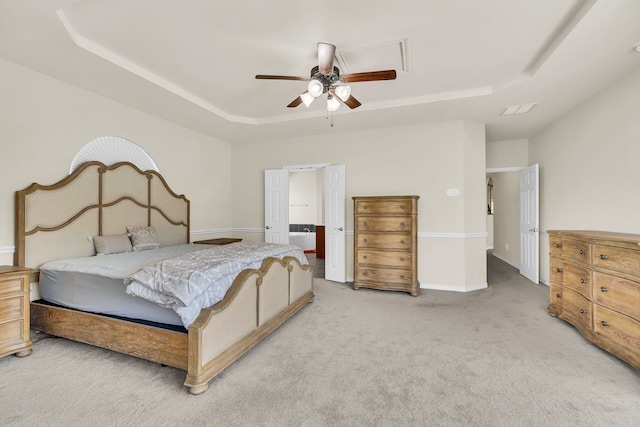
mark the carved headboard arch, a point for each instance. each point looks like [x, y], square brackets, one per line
[57, 221]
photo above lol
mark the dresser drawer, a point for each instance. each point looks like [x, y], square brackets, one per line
[557, 270]
[622, 332]
[555, 298]
[577, 278]
[555, 245]
[11, 308]
[385, 224]
[384, 241]
[618, 259]
[575, 249]
[384, 275]
[616, 293]
[387, 207]
[384, 258]
[576, 310]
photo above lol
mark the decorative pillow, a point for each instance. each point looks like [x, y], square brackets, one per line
[113, 244]
[143, 238]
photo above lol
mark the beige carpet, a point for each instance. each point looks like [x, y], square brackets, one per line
[364, 358]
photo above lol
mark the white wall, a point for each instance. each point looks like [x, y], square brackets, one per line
[45, 122]
[303, 198]
[589, 173]
[424, 160]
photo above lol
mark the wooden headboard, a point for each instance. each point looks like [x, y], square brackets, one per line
[58, 221]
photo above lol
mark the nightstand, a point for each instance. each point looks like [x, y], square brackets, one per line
[14, 311]
[220, 241]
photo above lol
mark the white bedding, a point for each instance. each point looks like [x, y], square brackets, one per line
[184, 278]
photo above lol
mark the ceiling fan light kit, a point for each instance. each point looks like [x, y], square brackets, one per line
[326, 78]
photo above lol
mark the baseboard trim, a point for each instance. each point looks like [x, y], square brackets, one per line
[501, 258]
[454, 288]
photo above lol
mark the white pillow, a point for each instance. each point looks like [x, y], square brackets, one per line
[143, 238]
[113, 244]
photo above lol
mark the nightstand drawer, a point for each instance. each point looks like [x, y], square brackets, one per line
[12, 287]
[11, 333]
[11, 308]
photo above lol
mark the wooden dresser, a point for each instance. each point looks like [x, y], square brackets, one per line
[385, 243]
[595, 286]
[14, 311]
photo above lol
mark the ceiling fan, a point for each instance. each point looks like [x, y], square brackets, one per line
[326, 79]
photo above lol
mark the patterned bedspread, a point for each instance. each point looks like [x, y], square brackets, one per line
[187, 283]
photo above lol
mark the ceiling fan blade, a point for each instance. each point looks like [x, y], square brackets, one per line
[326, 55]
[352, 103]
[369, 76]
[270, 77]
[295, 103]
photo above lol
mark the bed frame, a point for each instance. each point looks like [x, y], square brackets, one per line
[55, 221]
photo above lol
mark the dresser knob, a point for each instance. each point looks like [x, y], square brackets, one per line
[604, 323]
[583, 281]
[364, 257]
[583, 311]
[402, 242]
[401, 206]
[603, 289]
[558, 270]
[558, 246]
[402, 259]
[402, 224]
[365, 274]
[402, 277]
[365, 207]
[364, 240]
[582, 252]
[558, 295]
[603, 256]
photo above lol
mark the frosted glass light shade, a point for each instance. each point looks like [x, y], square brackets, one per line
[332, 104]
[315, 88]
[307, 99]
[343, 92]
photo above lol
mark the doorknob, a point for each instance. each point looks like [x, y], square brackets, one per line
[268, 227]
[340, 229]
[535, 230]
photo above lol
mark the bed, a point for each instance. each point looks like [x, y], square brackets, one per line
[64, 221]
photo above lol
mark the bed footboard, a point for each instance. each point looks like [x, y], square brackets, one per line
[256, 304]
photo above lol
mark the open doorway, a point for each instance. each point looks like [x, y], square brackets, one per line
[306, 215]
[277, 224]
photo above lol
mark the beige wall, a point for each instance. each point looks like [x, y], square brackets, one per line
[424, 160]
[45, 122]
[589, 174]
[508, 154]
[506, 219]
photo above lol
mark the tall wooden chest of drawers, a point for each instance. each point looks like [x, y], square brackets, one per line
[14, 311]
[595, 286]
[385, 243]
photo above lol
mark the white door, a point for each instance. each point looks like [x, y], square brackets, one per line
[335, 223]
[276, 206]
[529, 223]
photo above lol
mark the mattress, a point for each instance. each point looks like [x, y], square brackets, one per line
[96, 284]
[99, 294]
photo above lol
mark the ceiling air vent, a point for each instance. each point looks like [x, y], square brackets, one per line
[386, 56]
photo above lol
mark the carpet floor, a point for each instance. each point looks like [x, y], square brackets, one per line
[492, 357]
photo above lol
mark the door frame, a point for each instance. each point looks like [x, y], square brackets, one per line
[316, 166]
[513, 169]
